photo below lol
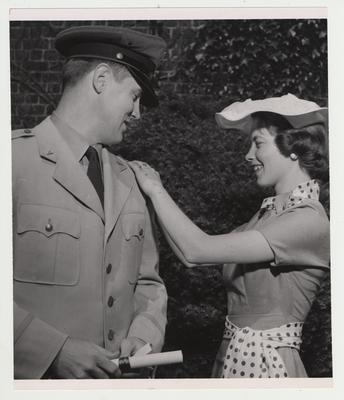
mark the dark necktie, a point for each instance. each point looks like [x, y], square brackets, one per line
[94, 172]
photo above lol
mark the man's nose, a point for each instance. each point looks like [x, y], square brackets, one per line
[136, 111]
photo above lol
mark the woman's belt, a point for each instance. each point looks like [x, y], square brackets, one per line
[252, 353]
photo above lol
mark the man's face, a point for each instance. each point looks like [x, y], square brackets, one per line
[119, 104]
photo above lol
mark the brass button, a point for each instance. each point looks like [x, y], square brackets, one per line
[119, 56]
[110, 301]
[111, 334]
[108, 268]
[49, 227]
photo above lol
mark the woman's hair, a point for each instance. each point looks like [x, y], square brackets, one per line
[76, 68]
[308, 143]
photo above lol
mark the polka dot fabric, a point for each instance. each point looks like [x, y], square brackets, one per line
[252, 353]
[306, 190]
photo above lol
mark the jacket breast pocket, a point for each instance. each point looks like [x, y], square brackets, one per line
[133, 229]
[46, 245]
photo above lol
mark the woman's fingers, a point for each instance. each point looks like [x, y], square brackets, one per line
[144, 168]
[148, 179]
[134, 164]
[138, 166]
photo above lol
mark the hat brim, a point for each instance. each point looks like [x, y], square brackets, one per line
[319, 116]
[148, 97]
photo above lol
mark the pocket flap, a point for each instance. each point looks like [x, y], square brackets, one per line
[47, 220]
[133, 225]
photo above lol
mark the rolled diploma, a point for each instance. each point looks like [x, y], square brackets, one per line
[148, 360]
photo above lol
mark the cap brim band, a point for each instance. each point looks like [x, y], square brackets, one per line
[108, 51]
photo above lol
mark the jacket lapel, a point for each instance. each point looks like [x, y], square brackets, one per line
[117, 186]
[68, 171]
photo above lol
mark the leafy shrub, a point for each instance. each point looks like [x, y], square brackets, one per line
[257, 58]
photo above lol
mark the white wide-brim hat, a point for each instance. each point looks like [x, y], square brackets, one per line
[299, 113]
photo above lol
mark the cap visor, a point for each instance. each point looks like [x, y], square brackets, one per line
[148, 98]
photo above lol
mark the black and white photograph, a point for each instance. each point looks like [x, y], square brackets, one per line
[170, 189]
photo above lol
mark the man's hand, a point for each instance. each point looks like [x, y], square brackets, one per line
[129, 347]
[79, 359]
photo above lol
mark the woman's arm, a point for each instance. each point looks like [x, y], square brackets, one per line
[195, 247]
[175, 248]
[177, 251]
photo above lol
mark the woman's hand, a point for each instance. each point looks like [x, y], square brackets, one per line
[147, 177]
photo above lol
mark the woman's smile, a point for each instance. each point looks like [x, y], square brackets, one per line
[257, 168]
[272, 169]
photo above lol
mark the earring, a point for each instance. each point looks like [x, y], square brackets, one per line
[293, 156]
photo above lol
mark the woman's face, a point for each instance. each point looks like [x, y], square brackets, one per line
[272, 169]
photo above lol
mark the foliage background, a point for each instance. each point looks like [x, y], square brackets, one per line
[205, 69]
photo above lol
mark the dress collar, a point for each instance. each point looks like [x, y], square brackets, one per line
[306, 190]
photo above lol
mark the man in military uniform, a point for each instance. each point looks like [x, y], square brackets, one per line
[86, 282]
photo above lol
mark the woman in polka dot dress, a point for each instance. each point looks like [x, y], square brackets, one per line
[274, 263]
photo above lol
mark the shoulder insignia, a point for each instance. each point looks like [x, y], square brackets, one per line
[122, 163]
[18, 133]
[121, 160]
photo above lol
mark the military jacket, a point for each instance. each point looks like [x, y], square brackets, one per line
[80, 270]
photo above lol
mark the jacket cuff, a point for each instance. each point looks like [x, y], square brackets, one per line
[143, 328]
[36, 349]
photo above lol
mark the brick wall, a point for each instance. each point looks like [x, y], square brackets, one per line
[36, 66]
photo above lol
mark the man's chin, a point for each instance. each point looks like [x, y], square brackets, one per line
[115, 139]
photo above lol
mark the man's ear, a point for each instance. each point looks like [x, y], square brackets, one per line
[101, 76]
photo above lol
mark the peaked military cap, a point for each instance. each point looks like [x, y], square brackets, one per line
[139, 52]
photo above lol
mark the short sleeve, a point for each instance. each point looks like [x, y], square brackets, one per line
[299, 236]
